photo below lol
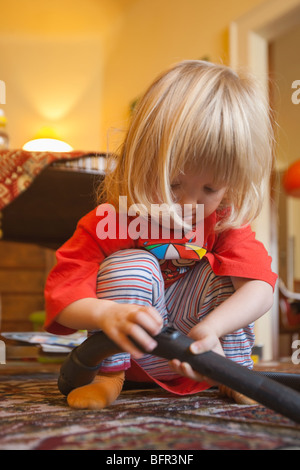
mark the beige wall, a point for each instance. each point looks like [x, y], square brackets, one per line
[52, 61]
[52, 82]
[77, 64]
[153, 35]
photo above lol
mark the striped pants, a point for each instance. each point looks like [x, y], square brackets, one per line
[134, 276]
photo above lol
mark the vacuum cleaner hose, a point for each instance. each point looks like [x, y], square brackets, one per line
[83, 362]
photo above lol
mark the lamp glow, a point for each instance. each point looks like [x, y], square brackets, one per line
[47, 145]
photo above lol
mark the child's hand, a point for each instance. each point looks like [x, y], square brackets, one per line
[125, 321]
[205, 340]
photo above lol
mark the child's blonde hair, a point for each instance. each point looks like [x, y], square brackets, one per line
[197, 115]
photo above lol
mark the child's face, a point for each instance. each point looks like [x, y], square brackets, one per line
[192, 188]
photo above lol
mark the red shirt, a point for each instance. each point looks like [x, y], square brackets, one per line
[233, 252]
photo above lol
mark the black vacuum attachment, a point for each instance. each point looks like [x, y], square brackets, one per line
[82, 364]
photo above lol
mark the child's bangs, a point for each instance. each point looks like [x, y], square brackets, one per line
[215, 152]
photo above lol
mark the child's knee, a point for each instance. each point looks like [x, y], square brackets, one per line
[131, 276]
[140, 262]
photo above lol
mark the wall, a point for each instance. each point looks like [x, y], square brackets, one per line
[152, 35]
[52, 62]
[52, 82]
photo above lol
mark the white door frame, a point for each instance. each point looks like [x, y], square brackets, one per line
[250, 36]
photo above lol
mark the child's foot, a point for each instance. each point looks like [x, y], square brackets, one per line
[236, 396]
[102, 392]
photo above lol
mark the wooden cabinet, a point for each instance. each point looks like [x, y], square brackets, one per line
[23, 272]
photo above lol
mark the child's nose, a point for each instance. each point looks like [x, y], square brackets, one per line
[192, 201]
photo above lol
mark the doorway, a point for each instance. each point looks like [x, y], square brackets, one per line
[251, 40]
[284, 70]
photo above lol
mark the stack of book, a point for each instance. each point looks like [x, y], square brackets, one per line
[39, 346]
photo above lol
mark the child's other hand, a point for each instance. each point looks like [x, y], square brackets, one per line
[138, 322]
[205, 340]
[183, 368]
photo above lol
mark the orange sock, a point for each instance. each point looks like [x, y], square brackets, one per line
[102, 392]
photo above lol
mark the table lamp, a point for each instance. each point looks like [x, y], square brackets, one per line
[47, 140]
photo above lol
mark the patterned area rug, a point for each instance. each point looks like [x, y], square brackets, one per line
[35, 416]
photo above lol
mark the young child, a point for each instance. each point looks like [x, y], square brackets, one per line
[201, 135]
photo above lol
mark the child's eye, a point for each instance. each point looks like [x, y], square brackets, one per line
[209, 189]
